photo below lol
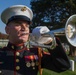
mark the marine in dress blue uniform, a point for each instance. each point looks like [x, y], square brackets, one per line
[19, 60]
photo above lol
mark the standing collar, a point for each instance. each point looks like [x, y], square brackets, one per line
[15, 47]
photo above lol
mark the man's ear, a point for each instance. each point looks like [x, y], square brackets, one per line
[7, 29]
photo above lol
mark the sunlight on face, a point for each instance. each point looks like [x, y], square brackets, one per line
[18, 31]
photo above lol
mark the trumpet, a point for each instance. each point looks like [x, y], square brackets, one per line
[70, 30]
[33, 41]
[42, 35]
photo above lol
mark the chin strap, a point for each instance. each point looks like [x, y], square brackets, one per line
[40, 55]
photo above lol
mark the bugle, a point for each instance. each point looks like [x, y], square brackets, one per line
[70, 30]
[33, 41]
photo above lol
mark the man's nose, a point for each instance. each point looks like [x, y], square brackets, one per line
[23, 27]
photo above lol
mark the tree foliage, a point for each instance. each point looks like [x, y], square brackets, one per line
[52, 13]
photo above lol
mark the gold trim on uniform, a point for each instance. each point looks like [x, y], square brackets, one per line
[28, 64]
[17, 53]
[17, 67]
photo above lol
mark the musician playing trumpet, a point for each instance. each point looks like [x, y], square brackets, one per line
[16, 58]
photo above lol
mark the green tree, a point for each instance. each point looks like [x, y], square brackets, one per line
[52, 13]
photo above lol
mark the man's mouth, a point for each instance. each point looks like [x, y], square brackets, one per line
[24, 33]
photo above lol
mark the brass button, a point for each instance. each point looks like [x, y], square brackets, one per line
[17, 53]
[12, 47]
[0, 71]
[17, 60]
[21, 47]
[23, 9]
[17, 67]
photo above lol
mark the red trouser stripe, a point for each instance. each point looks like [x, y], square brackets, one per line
[14, 63]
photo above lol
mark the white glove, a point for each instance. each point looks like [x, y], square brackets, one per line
[37, 35]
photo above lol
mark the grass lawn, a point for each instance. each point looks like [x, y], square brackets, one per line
[47, 72]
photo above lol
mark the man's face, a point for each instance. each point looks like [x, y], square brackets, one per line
[18, 31]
